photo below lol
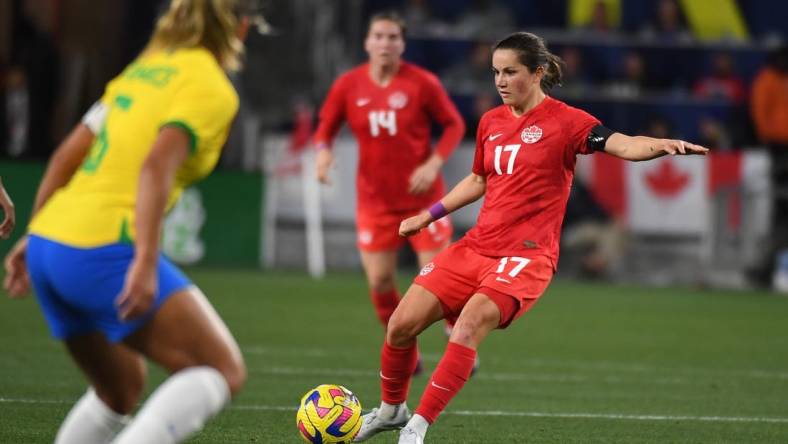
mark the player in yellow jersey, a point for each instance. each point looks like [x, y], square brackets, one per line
[92, 250]
[9, 216]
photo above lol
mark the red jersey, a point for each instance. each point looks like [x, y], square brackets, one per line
[392, 125]
[529, 163]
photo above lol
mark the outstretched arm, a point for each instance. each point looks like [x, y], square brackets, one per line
[638, 148]
[466, 191]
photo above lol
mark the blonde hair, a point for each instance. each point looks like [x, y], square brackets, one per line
[212, 24]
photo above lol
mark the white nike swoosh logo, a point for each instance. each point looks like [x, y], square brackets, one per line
[495, 136]
[439, 387]
[500, 279]
[387, 379]
[362, 102]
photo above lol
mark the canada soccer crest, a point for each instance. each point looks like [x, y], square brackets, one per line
[532, 134]
[398, 100]
[365, 237]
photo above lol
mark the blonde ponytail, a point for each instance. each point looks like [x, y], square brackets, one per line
[212, 24]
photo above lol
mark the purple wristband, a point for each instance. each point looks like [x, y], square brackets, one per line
[437, 210]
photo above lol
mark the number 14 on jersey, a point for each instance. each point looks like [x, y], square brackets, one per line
[382, 119]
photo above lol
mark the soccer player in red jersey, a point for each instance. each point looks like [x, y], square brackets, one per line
[524, 165]
[390, 106]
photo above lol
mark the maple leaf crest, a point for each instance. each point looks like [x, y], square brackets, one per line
[667, 180]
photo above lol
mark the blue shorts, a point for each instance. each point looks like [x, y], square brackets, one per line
[77, 287]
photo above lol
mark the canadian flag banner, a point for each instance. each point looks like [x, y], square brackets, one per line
[673, 194]
[668, 195]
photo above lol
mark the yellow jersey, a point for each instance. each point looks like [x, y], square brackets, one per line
[185, 88]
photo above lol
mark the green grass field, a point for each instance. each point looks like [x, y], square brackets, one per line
[591, 363]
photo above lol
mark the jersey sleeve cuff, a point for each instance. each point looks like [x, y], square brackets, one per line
[185, 127]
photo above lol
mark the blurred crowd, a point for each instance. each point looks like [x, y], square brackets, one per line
[55, 58]
[647, 57]
[715, 72]
[720, 80]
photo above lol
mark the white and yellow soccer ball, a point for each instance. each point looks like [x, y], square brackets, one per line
[329, 414]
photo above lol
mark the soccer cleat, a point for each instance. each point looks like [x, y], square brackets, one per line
[372, 423]
[409, 436]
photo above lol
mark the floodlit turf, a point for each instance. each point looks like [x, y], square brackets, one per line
[591, 363]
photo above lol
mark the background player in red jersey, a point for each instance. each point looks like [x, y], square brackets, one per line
[390, 106]
[524, 165]
[9, 215]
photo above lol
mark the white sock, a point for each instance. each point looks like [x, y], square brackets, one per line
[389, 411]
[178, 408]
[418, 424]
[90, 421]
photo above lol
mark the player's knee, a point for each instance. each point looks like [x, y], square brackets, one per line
[227, 361]
[380, 282]
[235, 374]
[401, 332]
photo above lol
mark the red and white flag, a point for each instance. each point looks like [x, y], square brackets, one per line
[672, 194]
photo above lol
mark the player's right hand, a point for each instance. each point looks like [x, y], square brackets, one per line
[17, 281]
[139, 291]
[324, 162]
[414, 224]
[7, 226]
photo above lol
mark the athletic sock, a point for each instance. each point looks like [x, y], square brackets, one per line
[385, 303]
[387, 410]
[396, 370]
[179, 407]
[90, 421]
[452, 372]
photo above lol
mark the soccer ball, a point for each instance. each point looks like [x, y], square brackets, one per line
[329, 414]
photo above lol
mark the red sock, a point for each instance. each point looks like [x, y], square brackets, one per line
[385, 304]
[446, 381]
[396, 369]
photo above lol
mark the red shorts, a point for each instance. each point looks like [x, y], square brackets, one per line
[381, 233]
[513, 283]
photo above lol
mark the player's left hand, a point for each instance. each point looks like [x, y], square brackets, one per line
[139, 290]
[17, 280]
[9, 220]
[324, 160]
[414, 224]
[680, 147]
[423, 176]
